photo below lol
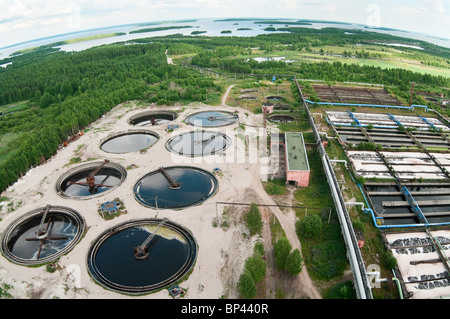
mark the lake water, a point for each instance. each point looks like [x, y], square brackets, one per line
[213, 28]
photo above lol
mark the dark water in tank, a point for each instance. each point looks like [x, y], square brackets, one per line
[115, 258]
[60, 225]
[274, 98]
[106, 176]
[145, 120]
[198, 143]
[129, 143]
[281, 119]
[378, 199]
[196, 186]
[212, 119]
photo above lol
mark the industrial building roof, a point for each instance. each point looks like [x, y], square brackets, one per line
[296, 157]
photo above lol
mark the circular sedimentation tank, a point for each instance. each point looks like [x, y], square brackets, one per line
[280, 118]
[169, 253]
[175, 187]
[130, 141]
[90, 180]
[198, 143]
[209, 119]
[151, 118]
[42, 235]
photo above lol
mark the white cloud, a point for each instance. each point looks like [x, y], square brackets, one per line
[436, 5]
[288, 4]
[22, 20]
[14, 9]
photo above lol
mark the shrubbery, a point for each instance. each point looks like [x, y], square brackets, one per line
[281, 249]
[343, 290]
[310, 227]
[254, 272]
[292, 262]
[247, 287]
[253, 220]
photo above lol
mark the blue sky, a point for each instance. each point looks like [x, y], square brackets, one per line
[23, 20]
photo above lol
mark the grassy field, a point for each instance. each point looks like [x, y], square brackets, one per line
[262, 89]
[379, 56]
[6, 144]
[14, 107]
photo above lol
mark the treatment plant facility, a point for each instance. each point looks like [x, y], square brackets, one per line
[131, 207]
[398, 157]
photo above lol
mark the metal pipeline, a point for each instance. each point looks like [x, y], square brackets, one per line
[376, 275]
[340, 161]
[400, 291]
[370, 105]
[357, 125]
[326, 135]
[356, 203]
[359, 281]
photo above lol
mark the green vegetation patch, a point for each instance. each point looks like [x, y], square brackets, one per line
[14, 107]
[324, 253]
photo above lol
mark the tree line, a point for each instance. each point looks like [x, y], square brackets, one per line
[229, 54]
[68, 91]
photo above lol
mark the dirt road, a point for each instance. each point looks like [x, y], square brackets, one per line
[301, 285]
[224, 98]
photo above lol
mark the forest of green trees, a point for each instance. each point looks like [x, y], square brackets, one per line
[224, 58]
[66, 91]
[227, 54]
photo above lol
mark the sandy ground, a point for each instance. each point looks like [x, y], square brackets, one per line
[222, 251]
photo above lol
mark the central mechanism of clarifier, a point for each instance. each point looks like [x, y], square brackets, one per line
[173, 184]
[212, 119]
[141, 252]
[90, 180]
[198, 143]
[42, 235]
[142, 256]
[43, 232]
[152, 191]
